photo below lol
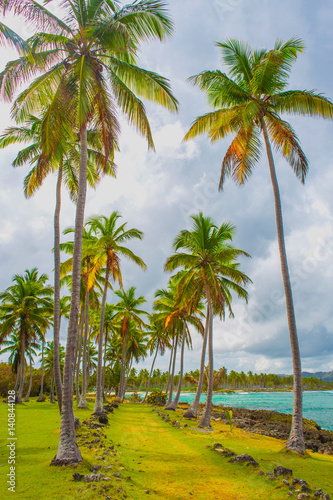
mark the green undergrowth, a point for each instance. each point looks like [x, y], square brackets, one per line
[145, 455]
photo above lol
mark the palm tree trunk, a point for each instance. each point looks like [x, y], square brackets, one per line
[99, 410]
[173, 405]
[26, 399]
[173, 371]
[126, 380]
[40, 397]
[104, 366]
[122, 371]
[68, 450]
[192, 412]
[83, 400]
[170, 362]
[56, 328]
[22, 368]
[52, 386]
[79, 351]
[205, 419]
[296, 438]
[151, 371]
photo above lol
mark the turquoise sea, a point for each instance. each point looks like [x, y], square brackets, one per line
[317, 405]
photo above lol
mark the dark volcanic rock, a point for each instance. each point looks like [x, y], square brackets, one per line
[277, 425]
[244, 458]
[103, 419]
[282, 471]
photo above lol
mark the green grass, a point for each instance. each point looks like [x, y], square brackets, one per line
[150, 454]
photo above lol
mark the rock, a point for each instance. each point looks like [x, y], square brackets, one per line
[282, 471]
[217, 445]
[303, 496]
[108, 409]
[261, 473]
[147, 491]
[305, 488]
[77, 476]
[114, 405]
[272, 478]
[92, 477]
[103, 419]
[326, 496]
[318, 493]
[286, 482]
[94, 468]
[244, 458]
[116, 474]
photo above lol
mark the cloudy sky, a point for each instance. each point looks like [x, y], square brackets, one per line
[158, 192]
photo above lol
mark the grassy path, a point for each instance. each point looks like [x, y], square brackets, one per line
[142, 453]
[179, 464]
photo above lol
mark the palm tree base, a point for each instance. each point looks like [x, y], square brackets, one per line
[296, 445]
[190, 414]
[65, 461]
[170, 407]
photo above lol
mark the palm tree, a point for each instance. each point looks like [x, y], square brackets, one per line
[211, 270]
[26, 308]
[247, 102]
[129, 314]
[88, 60]
[157, 343]
[109, 248]
[64, 158]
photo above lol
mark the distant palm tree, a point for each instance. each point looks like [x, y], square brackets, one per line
[247, 103]
[110, 246]
[210, 269]
[26, 307]
[128, 313]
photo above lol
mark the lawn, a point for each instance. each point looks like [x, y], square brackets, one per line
[145, 455]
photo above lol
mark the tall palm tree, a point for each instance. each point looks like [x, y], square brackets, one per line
[209, 262]
[26, 308]
[128, 313]
[109, 248]
[62, 158]
[249, 101]
[87, 59]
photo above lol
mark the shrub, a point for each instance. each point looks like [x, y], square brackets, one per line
[157, 397]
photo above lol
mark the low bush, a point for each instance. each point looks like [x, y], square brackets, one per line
[157, 397]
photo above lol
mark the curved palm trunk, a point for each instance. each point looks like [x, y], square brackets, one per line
[30, 381]
[205, 419]
[173, 371]
[296, 438]
[122, 371]
[151, 371]
[83, 400]
[173, 405]
[98, 409]
[192, 412]
[40, 397]
[79, 351]
[56, 328]
[170, 362]
[68, 450]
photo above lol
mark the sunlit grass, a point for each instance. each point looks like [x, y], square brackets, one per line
[152, 456]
